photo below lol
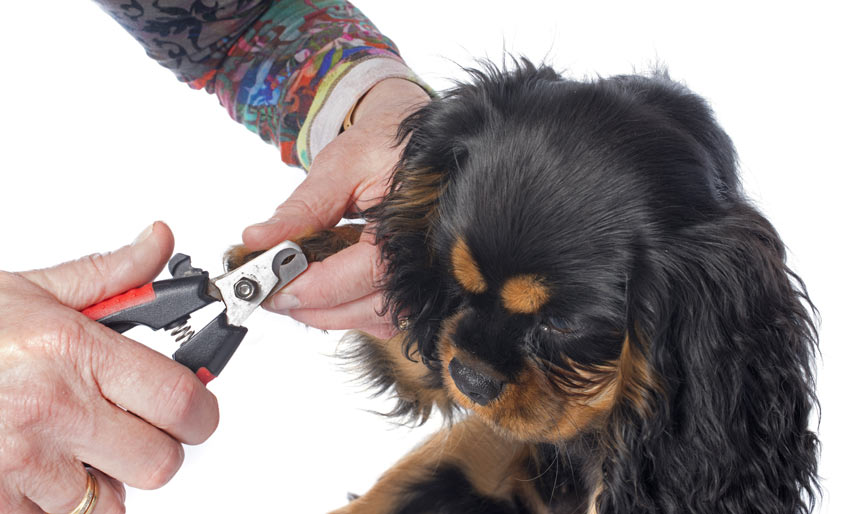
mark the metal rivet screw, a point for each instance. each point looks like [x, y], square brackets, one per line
[245, 289]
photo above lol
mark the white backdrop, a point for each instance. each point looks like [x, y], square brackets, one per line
[98, 141]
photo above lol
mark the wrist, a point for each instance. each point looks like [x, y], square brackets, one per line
[340, 90]
[389, 93]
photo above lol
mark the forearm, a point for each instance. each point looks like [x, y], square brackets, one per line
[273, 64]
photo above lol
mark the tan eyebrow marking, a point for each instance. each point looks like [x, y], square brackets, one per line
[466, 270]
[524, 294]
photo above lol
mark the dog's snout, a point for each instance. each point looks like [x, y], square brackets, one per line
[479, 387]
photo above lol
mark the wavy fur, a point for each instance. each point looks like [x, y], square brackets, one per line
[673, 358]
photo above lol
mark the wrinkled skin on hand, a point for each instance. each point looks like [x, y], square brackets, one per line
[350, 174]
[73, 391]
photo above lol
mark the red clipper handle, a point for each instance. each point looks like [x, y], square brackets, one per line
[123, 301]
[167, 304]
[157, 305]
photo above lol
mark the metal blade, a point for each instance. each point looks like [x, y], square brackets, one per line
[243, 289]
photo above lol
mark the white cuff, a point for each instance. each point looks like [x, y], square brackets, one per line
[347, 89]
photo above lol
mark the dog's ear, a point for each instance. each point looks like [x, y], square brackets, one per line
[718, 423]
[436, 148]
[405, 222]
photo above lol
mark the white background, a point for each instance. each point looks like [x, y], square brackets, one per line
[98, 141]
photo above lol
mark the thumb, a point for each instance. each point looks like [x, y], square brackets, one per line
[93, 278]
[317, 203]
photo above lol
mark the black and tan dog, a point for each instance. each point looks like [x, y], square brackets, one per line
[591, 299]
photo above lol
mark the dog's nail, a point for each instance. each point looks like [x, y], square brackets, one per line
[351, 496]
[283, 302]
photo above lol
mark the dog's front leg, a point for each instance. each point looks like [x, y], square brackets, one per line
[464, 469]
[317, 246]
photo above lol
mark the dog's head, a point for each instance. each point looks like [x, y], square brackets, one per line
[578, 258]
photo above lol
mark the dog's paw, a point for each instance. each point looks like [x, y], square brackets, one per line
[320, 245]
[238, 255]
[316, 247]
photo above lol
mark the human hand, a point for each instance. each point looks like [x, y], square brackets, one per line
[73, 391]
[350, 173]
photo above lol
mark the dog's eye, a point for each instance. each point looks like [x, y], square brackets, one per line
[555, 326]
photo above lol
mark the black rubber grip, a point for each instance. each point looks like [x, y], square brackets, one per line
[173, 300]
[212, 347]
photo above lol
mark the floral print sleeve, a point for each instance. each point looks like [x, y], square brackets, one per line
[288, 70]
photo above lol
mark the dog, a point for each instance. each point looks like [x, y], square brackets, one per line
[584, 291]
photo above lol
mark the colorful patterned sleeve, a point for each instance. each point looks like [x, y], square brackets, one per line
[289, 70]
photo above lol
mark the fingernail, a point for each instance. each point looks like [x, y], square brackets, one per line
[144, 234]
[270, 221]
[284, 302]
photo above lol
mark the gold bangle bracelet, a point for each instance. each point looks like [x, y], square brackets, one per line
[349, 117]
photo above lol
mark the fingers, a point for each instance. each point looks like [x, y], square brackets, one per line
[77, 379]
[129, 449]
[17, 505]
[165, 404]
[341, 278]
[58, 487]
[61, 489]
[153, 387]
[91, 279]
[317, 203]
[69, 414]
[383, 331]
[338, 293]
[352, 170]
[359, 314]
[112, 494]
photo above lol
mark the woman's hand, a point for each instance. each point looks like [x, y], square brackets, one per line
[350, 173]
[73, 391]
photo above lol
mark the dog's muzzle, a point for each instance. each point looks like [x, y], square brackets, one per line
[479, 387]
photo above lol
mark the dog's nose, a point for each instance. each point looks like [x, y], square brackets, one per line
[480, 388]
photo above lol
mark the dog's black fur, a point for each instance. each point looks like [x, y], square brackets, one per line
[585, 250]
[663, 282]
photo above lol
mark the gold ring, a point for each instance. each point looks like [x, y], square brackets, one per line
[89, 500]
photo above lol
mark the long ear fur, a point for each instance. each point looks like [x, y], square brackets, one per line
[435, 152]
[726, 328]
[405, 221]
